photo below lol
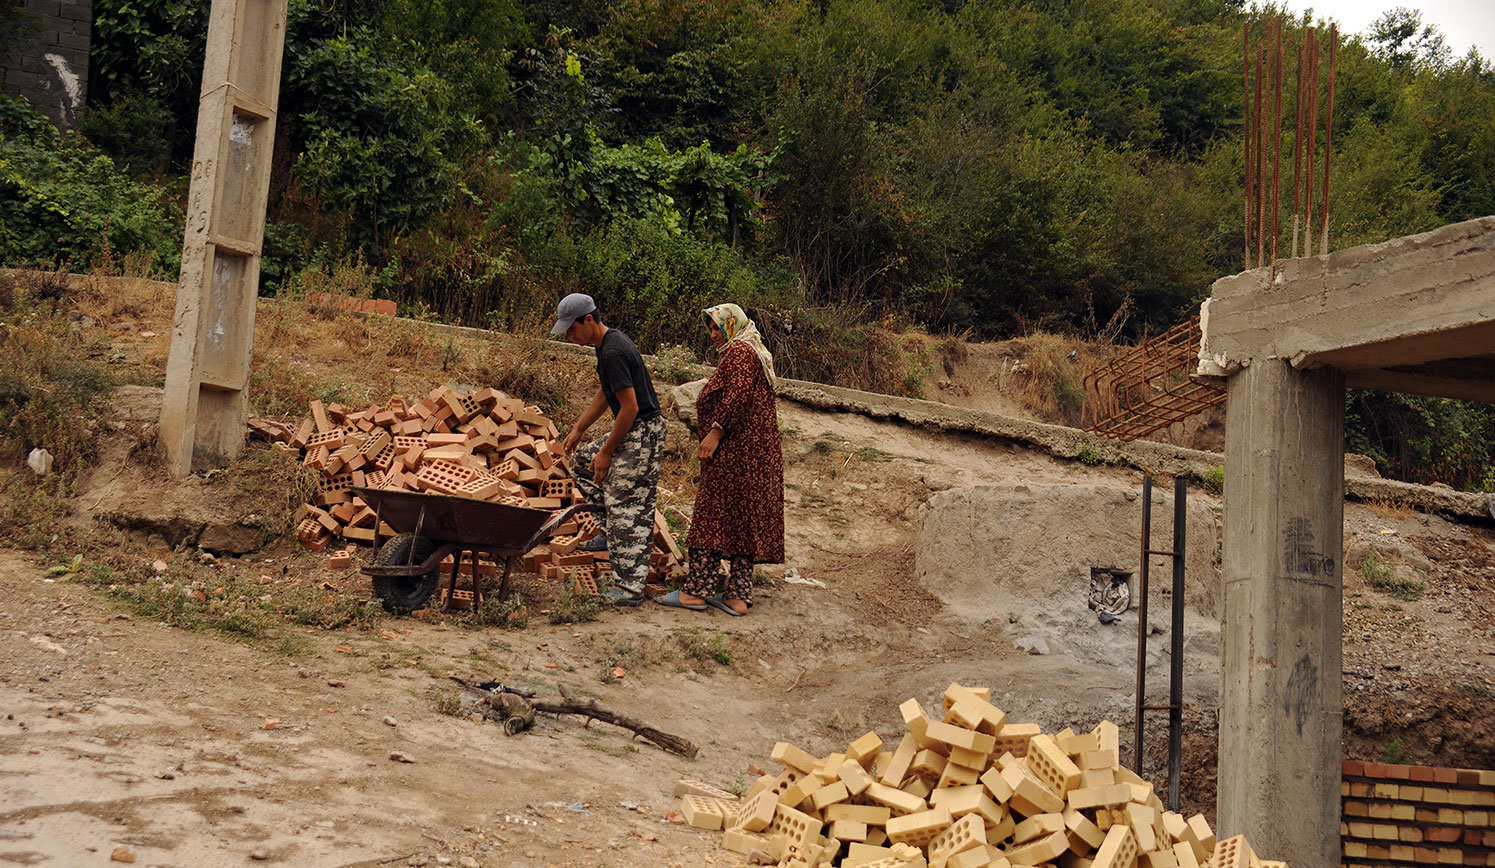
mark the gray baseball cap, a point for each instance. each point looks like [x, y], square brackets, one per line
[572, 308]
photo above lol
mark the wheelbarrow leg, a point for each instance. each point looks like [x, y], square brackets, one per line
[477, 584]
[503, 585]
[451, 588]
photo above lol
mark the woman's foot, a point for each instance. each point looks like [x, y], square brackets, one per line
[691, 599]
[735, 608]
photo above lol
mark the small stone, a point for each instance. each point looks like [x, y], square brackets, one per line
[334, 683]
[123, 854]
[259, 854]
[159, 566]
[469, 862]
[390, 721]
[270, 723]
[675, 817]
[401, 758]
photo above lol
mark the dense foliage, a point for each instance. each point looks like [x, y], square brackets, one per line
[988, 168]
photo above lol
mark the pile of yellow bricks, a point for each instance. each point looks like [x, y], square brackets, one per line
[965, 790]
[481, 444]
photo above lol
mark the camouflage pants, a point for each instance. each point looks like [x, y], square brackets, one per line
[627, 495]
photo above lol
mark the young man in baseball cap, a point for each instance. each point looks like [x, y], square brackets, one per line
[619, 471]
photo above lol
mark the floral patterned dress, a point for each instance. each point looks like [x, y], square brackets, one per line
[739, 507]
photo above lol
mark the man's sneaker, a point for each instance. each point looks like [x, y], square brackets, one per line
[619, 597]
[597, 543]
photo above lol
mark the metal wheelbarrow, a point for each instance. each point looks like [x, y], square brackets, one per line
[428, 527]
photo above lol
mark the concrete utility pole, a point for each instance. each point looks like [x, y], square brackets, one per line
[1416, 314]
[205, 402]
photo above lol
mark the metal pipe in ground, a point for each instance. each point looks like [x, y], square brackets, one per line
[1142, 622]
[1176, 653]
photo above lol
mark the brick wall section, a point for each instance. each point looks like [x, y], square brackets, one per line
[1398, 815]
[49, 67]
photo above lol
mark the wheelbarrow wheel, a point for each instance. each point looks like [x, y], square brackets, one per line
[402, 595]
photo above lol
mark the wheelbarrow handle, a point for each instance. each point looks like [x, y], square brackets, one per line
[556, 520]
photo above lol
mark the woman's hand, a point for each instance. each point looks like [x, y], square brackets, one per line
[708, 444]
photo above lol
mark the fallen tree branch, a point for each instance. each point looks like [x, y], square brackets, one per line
[592, 711]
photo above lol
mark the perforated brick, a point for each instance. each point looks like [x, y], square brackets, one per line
[1118, 850]
[919, 828]
[963, 834]
[443, 477]
[701, 812]
[798, 828]
[1048, 762]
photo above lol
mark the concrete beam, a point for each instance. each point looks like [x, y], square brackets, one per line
[1406, 302]
[1281, 701]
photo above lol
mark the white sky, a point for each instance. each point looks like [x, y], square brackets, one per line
[1462, 22]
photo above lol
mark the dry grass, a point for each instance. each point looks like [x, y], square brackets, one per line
[1389, 510]
[1053, 389]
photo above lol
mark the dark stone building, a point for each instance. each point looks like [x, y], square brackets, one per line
[48, 61]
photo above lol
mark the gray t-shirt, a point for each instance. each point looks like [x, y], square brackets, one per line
[620, 366]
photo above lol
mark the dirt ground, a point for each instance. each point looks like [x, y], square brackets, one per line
[330, 748]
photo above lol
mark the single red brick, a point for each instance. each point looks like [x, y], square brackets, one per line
[1474, 858]
[1422, 774]
[1353, 768]
[1445, 776]
[1490, 839]
[1375, 770]
[1472, 837]
[1442, 834]
[1468, 777]
[1399, 772]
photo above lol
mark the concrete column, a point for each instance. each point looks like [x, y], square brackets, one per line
[1281, 702]
[204, 403]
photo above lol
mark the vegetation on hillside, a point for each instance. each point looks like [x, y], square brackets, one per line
[970, 168]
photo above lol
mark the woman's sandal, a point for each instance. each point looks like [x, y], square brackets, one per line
[672, 599]
[720, 603]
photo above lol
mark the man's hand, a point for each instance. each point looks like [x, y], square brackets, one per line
[568, 446]
[709, 443]
[600, 464]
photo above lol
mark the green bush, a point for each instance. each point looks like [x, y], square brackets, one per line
[62, 203]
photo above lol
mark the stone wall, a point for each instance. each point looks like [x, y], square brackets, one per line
[48, 65]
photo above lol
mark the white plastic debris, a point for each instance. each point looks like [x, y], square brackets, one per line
[40, 461]
[792, 576]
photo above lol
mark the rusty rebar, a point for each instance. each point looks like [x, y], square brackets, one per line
[1298, 154]
[1246, 135]
[1256, 160]
[1277, 130]
[1311, 117]
[1328, 135]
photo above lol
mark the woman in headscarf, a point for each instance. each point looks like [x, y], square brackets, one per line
[739, 511]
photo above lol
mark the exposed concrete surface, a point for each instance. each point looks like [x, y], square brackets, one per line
[1391, 315]
[992, 550]
[1281, 699]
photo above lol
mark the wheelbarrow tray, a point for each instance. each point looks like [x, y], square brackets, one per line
[479, 524]
[438, 525]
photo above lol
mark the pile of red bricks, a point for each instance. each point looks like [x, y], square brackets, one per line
[968, 789]
[482, 444]
[1416, 815]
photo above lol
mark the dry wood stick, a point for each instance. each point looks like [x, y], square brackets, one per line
[592, 711]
